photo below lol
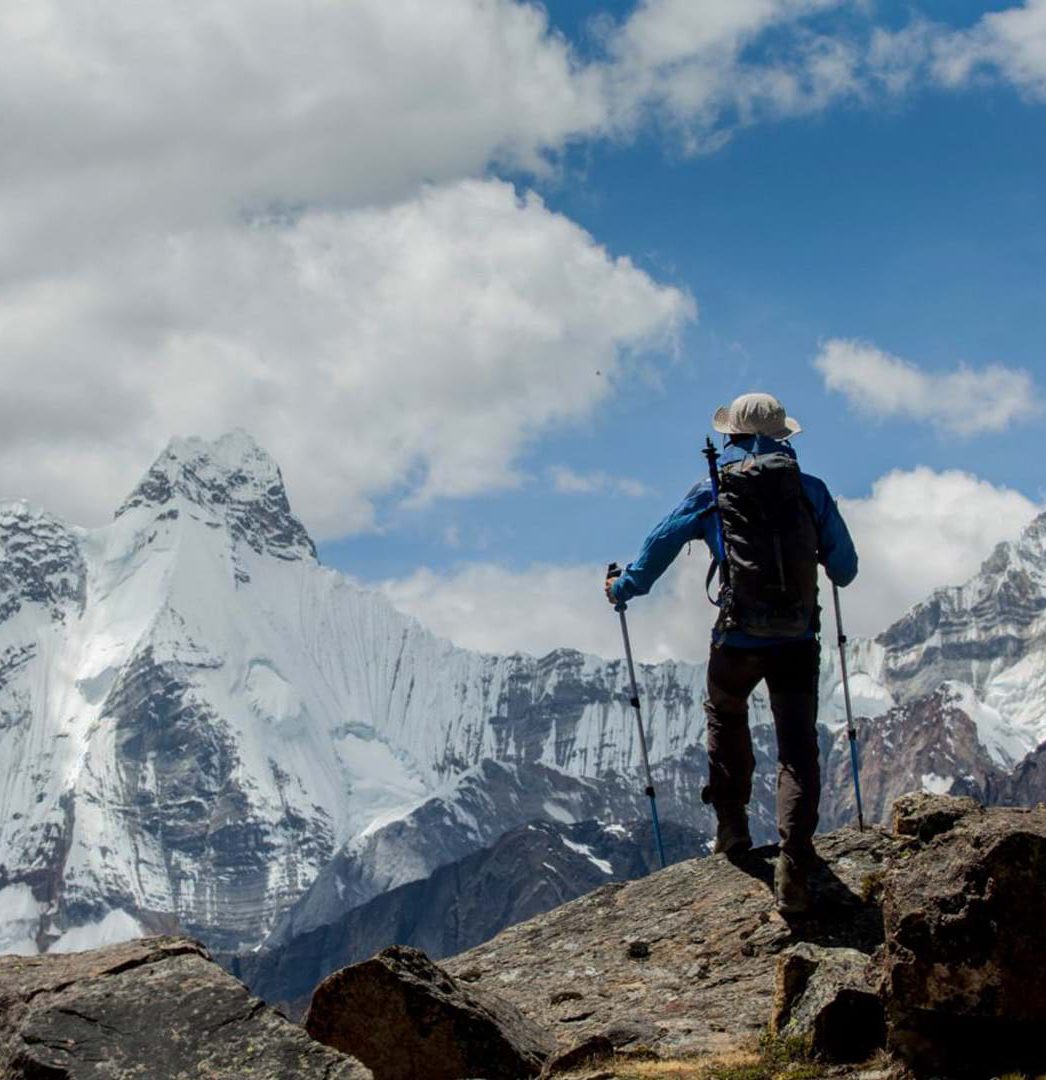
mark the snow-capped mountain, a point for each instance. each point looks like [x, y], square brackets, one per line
[195, 715]
[965, 672]
[201, 725]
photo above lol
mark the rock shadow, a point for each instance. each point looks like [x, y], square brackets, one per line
[839, 917]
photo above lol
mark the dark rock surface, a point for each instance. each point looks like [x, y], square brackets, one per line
[705, 980]
[584, 1054]
[928, 736]
[158, 1008]
[404, 1017]
[965, 953]
[41, 562]
[526, 872]
[828, 999]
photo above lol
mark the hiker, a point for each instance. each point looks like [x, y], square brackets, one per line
[777, 525]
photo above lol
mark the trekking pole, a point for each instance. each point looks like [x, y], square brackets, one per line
[851, 731]
[712, 456]
[613, 571]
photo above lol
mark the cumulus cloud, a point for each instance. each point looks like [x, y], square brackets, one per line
[919, 530]
[916, 531]
[696, 66]
[248, 212]
[965, 401]
[415, 350]
[494, 608]
[166, 116]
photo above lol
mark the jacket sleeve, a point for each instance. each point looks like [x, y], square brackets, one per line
[837, 552]
[686, 522]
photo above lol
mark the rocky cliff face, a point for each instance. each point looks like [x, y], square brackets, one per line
[921, 958]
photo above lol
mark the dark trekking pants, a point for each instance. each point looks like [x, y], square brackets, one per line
[791, 674]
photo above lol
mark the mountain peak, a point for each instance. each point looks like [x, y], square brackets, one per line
[235, 481]
[1033, 539]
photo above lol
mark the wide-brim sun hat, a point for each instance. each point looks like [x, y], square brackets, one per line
[755, 414]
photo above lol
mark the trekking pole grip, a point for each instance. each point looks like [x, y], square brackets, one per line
[614, 571]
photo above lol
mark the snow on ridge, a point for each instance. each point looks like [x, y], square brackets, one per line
[113, 928]
[584, 849]
[1005, 745]
[936, 785]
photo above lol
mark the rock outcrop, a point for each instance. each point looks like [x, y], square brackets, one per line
[930, 939]
[683, 960]
[157, 1008]
[405, 1017]
[827, 999]
[965, 941]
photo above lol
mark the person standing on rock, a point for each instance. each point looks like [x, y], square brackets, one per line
[777, 524]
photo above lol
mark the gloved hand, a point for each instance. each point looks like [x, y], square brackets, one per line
[613, 573]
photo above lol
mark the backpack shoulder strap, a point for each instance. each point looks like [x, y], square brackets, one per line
[713, 566]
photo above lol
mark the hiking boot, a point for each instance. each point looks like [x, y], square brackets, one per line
[791, 892]
[731, 835]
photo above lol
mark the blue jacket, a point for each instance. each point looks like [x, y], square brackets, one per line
[690, 521]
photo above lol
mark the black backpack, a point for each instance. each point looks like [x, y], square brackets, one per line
[770, 585]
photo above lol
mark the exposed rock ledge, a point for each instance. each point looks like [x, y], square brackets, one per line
[160, 1009]
[684, 958]
[931, 938]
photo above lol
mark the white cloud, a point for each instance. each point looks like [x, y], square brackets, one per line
[916, 531]
[692, 64]
[216, 214]
[161, 118]
[919, 530]
[158, 116]
[493, 608]
[568, 482]
[965, 401]
[1009, 43]
[412, 350]
[708, 68]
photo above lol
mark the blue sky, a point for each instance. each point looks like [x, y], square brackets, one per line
[916, 226]
[444, 262]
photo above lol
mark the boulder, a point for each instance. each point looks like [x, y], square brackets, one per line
[590, 1051]
[827, 998]
[157, 1008]
[964, 912]
[405, 1017]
